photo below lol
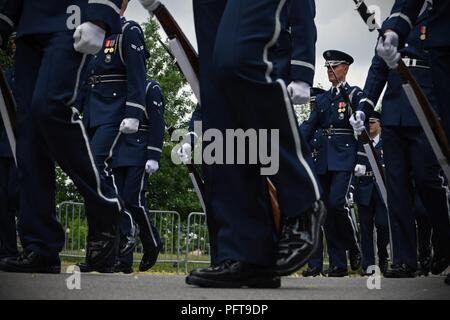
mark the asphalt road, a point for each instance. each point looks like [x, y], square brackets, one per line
[169, 287]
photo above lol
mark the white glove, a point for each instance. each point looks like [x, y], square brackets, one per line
[129, 125]
[357, 121]
[151, 166]
[184, 153]
[88, 38]
[350, 199]
[360, 170]
[299, 91]
[388, 49]
[149, 5]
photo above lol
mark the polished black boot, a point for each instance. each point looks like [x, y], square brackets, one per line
[152, 248]
[234, 274]
[123, 268]
[439, 263]
[400, 271]
[85, 268]
[384, 265]
[102, 248]
[299, 239]
[30, 262]
[424, 266]
[335, 272]
[355, 258]
[129, 242]
[312, 272]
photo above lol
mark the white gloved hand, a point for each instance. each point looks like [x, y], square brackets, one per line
[129, 125]
[151, 166]
[360, 170]
[149, 5]
[299, 91]
[388, 49]
[357, 121]
[184, 153]
[350, 199]
[88, 38]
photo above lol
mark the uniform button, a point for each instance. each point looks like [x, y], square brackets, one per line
[329, 137]
[138, 140]
[331, 126]
[114, 94]
[92, 85]
[347, 145]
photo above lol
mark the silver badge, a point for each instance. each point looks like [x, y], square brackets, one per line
[108, 58]
[341, 116]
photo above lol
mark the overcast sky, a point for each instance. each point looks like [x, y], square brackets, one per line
[338, 25]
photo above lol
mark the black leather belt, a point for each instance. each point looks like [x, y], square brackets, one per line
[106, 78]
[336, 131]
[416, 63]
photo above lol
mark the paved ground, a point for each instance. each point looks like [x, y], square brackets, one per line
[168, 287]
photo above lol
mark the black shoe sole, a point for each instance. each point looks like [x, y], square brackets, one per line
[399, 276]
[258, 283]
[301, 263]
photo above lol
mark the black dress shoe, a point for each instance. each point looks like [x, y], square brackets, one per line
[101, 248]
[384, 265]
[312, 272]
[335, 272]
[149, 259]
[234, 274]
[129, 242]
[85, 268]
[439, 263]
[30, 262]
[123, 268]
[424, 266]
[355, 259]
[400, 271]
[299, 239]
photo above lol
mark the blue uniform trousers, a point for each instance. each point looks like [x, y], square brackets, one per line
[375, 214]
[340, 231]
[48, 130]
[8, 207]
[132, 184]
[406, 151]
[238, 92]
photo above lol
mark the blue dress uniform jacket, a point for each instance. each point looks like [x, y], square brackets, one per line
[365, 185]
[397, 110]
[293, 60]
[146, 144]
[115, 79]
[338, 150]
[44, 17]
[404, 16]
[5, 149]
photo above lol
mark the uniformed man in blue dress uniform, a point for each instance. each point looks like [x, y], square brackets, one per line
[371, 208]
[135, 158]
[113, 104]
[239, 90]
[408, 156]
[9, 191]
[53, 39]
[397, 28]
[335, 163]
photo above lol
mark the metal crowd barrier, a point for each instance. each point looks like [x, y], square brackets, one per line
[168, 223]
[197, 240]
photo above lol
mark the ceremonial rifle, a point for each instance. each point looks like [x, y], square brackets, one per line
[8, 113]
